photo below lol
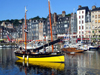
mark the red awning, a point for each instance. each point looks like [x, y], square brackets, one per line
[83, 38]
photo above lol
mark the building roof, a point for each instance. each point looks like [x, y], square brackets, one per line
[82, 8]
[96, 9]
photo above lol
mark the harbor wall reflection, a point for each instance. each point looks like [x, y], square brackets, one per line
[86, 63]
[81, 63]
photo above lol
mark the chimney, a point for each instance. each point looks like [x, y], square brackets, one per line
[79, 6]
[55, 17]
[71, 14]
[30, 20]
[63, 13]
[12, 24]
[93, 7]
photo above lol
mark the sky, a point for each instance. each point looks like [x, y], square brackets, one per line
[15, 9]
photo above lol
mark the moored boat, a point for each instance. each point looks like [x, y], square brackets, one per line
[31, 55]
[43, 57]
[72, 50]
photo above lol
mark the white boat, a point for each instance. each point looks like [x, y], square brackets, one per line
[83, 47]
[92, 47]
[0, 47]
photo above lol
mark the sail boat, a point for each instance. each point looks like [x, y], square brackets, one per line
[71, 47]
[39, 57]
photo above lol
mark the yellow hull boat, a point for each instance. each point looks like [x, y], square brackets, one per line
[49, 57]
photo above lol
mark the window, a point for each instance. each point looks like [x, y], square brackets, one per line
[95, 16]
[82, 27]
[89, 27]
[92, 21]
[86, 27]
[82, 12]
[47, 22]
[65, 29]
[89, 31]
[79, 22]
[79, 17]
[82, 21]
[92, 16]
[48, 32]
[66, 18]
[82, 16]
[98, 16]
[65, 25]
[65, 21]
[54, 32]
[53, 28]
[48, 27]
[95, 21]
[98, 21]
[79, 27]
[99, 31]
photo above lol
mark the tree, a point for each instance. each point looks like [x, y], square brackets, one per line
[68, 15]
[11, 21]
[37, 18]
[16, 22]
[7, 20]
[44, 18]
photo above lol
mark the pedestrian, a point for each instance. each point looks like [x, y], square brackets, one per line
[44, 50]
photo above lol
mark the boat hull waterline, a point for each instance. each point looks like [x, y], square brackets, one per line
[42, 57]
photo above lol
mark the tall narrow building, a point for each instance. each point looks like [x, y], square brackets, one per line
[81, 20]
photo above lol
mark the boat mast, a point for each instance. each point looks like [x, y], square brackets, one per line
[50, 23]
[25, 29]
[81, 29]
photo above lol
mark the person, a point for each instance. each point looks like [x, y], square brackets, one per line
[20, 48]
[37, 52]
[28, 52]
[44, 50]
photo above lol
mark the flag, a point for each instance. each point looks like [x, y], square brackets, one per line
[8, 37]
[25, 30]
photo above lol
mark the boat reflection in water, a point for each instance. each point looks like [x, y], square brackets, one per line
[39, 67]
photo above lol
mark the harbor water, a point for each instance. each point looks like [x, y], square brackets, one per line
[86, 63]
